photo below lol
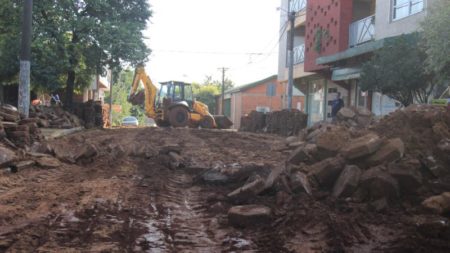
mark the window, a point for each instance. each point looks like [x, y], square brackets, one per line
[271, 90]
[404, 8]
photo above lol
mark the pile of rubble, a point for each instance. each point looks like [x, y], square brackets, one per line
[355, 117]
[404, 157]
[408, 152]
[92, 113]
[284, 123]
[22, 132]
[54, 117]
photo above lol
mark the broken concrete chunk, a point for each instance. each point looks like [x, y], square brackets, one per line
[362, 146]
[24, 164]
[327, 171]
[300, 183]
[346, 114]
[407, 174]
[347, 182]
[48, 162]
[249, 215]
[6, 156]
[379, 184]
[291, 139]
[389, 152]
[296, 144]
[330, 142]
[439, 204]
[248, 191]
[302, 154]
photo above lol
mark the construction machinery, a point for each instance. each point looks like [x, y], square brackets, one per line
[173, 104]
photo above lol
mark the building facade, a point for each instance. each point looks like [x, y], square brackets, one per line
[264, 96]
[333, 38]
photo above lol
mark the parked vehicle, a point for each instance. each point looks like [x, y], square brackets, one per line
[130, 121]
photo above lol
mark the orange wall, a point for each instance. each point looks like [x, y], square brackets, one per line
[256, 96]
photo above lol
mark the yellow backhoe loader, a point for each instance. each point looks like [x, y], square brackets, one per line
[174, 104]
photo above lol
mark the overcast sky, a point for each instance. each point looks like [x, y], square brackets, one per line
[191, 39]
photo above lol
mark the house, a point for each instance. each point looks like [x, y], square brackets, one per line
[264, 96]
[96, 91]
[332, 39]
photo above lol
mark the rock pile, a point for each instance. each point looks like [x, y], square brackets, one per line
[285, 122]
[22, 132]
[355, 117]
[91, 113]
[54, 117]
[405, 153]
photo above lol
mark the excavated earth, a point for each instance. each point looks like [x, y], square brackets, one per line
[130, 197]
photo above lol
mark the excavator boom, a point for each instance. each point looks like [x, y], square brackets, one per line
[149, 92]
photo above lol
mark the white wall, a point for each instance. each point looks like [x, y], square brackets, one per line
[386, 27]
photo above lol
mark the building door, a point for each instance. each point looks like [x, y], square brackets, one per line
[316, 94]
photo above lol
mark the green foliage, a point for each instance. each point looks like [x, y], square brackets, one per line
[74, 39]
[9, 40]
[121, 91]
[398, 71]
[208, 90]
[436, 39]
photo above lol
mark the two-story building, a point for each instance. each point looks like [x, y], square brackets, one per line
[332, 40]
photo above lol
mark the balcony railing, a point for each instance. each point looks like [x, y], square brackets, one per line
[299, 55]
[362, 31]
[297, 5]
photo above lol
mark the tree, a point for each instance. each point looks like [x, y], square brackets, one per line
[398, 71]
[121, 91]
[207, 91]
[436, 39]
[74, 40]
[93, 34]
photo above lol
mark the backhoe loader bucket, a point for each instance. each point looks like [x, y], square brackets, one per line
[138, 98]
[222, 121]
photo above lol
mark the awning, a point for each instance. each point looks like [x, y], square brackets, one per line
[346, 74]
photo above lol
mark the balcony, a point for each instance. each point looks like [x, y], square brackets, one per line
[361, 31]
[299, 55]
[297, 5]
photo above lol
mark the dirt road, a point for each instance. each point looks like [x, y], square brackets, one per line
[132, 197]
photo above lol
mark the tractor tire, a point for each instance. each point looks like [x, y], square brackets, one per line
[179, 116]
[207, 122]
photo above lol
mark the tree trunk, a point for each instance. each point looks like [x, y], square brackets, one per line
[70, 85]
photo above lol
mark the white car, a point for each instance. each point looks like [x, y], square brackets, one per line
[130, 121]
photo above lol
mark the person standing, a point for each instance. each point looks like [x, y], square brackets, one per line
[336, 105]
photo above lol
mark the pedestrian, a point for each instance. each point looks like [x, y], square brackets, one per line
[337, 104]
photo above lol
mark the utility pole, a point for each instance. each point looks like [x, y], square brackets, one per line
[291, 17]
[25, 58]
[223, 91]
[110, 98]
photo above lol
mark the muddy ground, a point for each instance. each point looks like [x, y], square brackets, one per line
[130, 198]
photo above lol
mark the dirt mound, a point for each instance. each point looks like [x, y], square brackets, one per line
[284, 123]
[422, 128]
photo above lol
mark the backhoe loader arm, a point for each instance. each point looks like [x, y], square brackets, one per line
[149, 91]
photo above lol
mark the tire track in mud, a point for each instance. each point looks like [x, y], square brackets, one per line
[178, 218]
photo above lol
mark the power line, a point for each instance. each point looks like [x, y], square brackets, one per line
[206, 52]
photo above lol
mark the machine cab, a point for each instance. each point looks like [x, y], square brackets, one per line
[174, 92]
